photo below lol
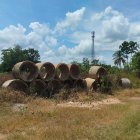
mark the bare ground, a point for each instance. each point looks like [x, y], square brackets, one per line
[94, 104]
[45, 119]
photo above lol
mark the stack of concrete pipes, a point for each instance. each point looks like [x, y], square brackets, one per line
[43, 78]
[46, 78]
[95, 74]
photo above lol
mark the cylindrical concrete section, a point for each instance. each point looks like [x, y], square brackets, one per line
[125, 83]
[62, 71]
[38, 87]
[96, 72]
[46, 71]
[74, 71]
[16, 84]
[26, 70]
[54, 85]
[91, 84]
[80, 84]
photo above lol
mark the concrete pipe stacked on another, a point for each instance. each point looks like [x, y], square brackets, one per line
[68, 84]
[74, 71]
[91, 84]
[54, 85]
[80, 84]
[16, 84]
[62, 71]
[46, 71]
[38, 87]
[26, 71]
[97, 72]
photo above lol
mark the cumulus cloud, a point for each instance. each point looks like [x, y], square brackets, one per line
[72, 19]
[12, 35]
[41, 29]
[70, 38]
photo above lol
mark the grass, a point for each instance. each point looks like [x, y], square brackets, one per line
[133, 78]
[4, 77]
[42, 120]
[11, 96]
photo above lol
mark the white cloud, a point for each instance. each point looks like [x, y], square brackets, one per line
[62, 50]
[51, 41]
[70, 39]
[112, 25]
[72, 19]
[12, 35]
[135, 29]
[41, 29]
[83, 48]
[116, 27]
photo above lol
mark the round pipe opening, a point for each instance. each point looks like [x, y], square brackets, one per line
[74, 71]
[46, 71]
[62, 71]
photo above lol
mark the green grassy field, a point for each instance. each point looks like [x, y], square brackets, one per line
[42, 119]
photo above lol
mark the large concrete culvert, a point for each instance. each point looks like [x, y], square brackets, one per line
[74, 71]
[125, 83]
[46, 71]
[91, 84]
[26, 70]
[68, 84]
[80, 84]
[16, 84]
[38, 87]
[62, 71]
[97, 72]
[53, 87]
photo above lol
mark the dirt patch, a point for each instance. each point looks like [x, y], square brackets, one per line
[3, 136]
[134, 98]
[19, 107]
[95, 104]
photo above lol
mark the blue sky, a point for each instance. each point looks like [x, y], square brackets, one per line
[61, 29]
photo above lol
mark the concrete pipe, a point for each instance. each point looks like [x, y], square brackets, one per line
[26, 70]
[38, 87]
[74, 71]
[97, 72]
[16, 84]
[68, 84]
[125, 83]
[91, 84]
[62, 71]
[54, 86]
[80, 84]
[46, 71]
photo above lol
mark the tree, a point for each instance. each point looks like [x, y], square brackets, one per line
[32, 55]
[85, 65]
[127, 48]
[95, 62]
[133, 47]
[118, 58]
[13, 55]
[136, 60]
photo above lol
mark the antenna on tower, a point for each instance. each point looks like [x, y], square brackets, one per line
[92, 48]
